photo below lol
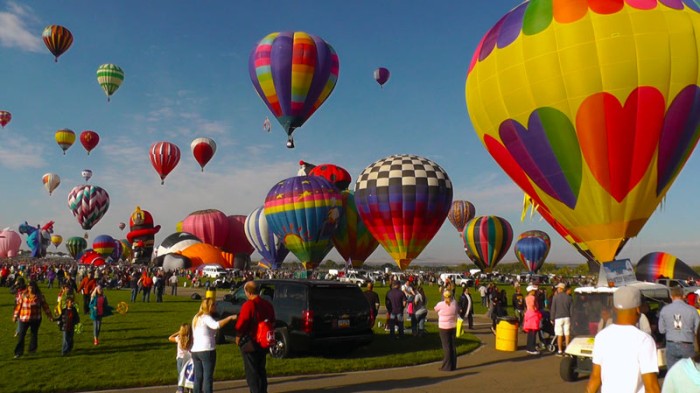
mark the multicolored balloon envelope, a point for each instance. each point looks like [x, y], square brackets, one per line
[657, 264]
[75, 246]
[461, 212]
[585, 109]
[65, 139]
[51, 181]
[532, 248]
[58, 39]
[486, 240]
[118, 251]
[352, 239]
[304, 212]
[177, 242]
[269, 246]
[403, 200]
[88, 204]
[293, 73]
[103, 245]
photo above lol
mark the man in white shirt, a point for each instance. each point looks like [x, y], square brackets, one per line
[624, 357]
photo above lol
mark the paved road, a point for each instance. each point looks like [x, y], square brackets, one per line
[484, 370]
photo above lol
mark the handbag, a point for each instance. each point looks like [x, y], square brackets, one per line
[460, 327]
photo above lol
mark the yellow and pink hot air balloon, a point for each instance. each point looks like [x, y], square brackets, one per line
[587, 111]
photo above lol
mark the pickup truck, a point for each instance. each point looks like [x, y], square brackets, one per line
[673, 282]
[354, 278]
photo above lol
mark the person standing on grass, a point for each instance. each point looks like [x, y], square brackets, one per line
[134, 285]
[183, 339]
[395, 303]
[28, 313]
[203, 350]
[173, 284]
[447, 327]
[68, 318]
[99, 308]
[87, 285]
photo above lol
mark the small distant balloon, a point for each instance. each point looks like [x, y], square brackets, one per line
[110, 77]
[89, 140]
[121, 226]
[381, 75]
[6, 116]
[51, 181]
[56, 240]
[267, 126]
[203, 150]
[58, 39]
[65, 139]
[86, 174]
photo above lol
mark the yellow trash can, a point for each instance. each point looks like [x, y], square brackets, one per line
[507, 334]
[210, 293]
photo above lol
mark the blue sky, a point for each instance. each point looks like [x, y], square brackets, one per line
[186, 66]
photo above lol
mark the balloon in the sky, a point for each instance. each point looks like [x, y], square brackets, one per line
[10, 242]
[657, 264]
[75, 246]
[336, 175]
[65, 139]
[569, 104]
[110, 77]
[203, 150]
[268, 245]
[86, 174]
[103, 245]
[88, 204]
[304, 212]
[5, 118]
[352, 239]
[404, 208]
[486, 240]
[56, 240]
[58, 39]
[164, 158]
[211, 226]
[293, 73]
[51, 181]
[381, 75]
[531, 249]
[460, 213]
[267, 126]
[89, 140]
[121, 226]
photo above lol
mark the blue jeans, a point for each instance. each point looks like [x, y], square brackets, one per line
[96, 327]
[134, 292]
[204, 363]
[676, 351]
[396, 319]
[67, 341]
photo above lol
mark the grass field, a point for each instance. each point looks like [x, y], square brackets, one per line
[134, 350]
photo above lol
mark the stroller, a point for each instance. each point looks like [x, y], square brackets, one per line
[547, 338]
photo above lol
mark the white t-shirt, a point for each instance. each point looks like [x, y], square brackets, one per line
[204, 334]
[624, 353]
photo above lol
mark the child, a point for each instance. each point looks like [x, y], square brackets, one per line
[183, 338]
[67, 320]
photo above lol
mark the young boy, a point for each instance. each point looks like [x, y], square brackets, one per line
[67, 320]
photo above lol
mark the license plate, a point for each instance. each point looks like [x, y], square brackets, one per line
[343, 323]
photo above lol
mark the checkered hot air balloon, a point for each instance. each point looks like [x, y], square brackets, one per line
[164, 157]
[89, 204]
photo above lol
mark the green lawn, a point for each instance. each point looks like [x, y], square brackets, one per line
[134, 350]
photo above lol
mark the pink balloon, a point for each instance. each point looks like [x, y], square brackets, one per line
[238, 241]
[211, 226]
[10, 241]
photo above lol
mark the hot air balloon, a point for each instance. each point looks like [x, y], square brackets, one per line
[269, 246]
[531, 249]
[305, 168]
[121, 226]
[381, 75]
[103, 245]
[203, 150]
[211, 226]
[5, 118]
[118, 251]
[656, 264]
[89, 140]
[86, 174]
[267, 126]
[238, 243]
[205, 254]
[142, 235]
[460, 213]
[486, 240]
[56, 240]
[65, 139]
[403, 209]
[336, 175]
[126, 250]
[88, 204]
[51, 181]
[110, 77]
[569, 103]
[58, 39]
[10, 242]
[164, 158]
[352, 239]
[293, 73]
[304, 212]
[75, 246]
[176, 242]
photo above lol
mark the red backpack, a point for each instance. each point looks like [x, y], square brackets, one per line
[265, 336]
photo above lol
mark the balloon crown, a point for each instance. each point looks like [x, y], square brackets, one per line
[140, 217]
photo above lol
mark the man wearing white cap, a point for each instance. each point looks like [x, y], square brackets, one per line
[561, 315]
[624, 357]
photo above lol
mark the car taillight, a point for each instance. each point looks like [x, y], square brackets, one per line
[307, 318]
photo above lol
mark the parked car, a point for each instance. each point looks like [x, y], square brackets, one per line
[213, 271]
[670, 282]
[311, 315]
[355, 278]
[458, 279]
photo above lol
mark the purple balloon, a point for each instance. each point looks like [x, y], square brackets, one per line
[381, 75]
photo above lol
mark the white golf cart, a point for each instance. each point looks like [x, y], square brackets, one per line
[590, 302]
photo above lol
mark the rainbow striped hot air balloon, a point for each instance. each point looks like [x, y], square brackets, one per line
[304, 212]
[103, 245]
[293, 73]
[352, 239]
[110, 77]
[656, 264]
[486, 240]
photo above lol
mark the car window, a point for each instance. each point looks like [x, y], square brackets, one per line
[291, 297]
[267, 292]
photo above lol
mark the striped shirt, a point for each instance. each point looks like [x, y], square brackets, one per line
[29, 308]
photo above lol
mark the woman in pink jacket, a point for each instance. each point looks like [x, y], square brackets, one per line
[447, 326]
[531, 322]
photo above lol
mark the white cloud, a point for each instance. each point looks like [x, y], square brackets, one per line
[17, 25]
[19, 152]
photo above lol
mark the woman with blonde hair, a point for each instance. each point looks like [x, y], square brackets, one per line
[203, 349]
[447, 327]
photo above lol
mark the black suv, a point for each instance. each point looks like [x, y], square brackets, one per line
[311, 315]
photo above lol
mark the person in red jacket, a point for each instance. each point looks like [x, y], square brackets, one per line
[255, 310]
[87, 285]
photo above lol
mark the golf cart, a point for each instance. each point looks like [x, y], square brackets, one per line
[591, 302]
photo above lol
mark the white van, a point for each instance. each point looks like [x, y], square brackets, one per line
[213, 271]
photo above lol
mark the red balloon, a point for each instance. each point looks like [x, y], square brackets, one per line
[203, 150]
[164, 158]
[238, 241]
[336, 175]
[89, 139]
[5, 118]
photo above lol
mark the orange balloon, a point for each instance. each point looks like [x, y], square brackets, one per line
[205, 254]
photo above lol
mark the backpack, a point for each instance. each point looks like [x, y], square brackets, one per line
[265, 336]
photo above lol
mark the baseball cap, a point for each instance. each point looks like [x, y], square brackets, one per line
[531, 288]
[561, 285]
[627, 298]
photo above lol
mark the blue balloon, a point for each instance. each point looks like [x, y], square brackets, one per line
[531, 249]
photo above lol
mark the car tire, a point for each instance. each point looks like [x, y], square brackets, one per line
[567, 369]
[281, 348]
